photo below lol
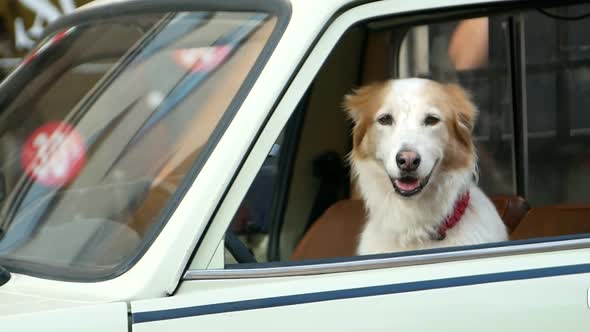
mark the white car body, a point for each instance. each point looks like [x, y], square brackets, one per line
[511, 289]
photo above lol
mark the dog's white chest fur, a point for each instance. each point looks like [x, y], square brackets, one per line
[413, 229]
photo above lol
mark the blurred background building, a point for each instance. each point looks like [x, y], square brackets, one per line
[22, 23]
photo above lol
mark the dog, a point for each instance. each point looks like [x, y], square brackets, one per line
[414, 161]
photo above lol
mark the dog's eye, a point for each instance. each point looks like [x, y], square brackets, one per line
[385, 120]
[431, 120]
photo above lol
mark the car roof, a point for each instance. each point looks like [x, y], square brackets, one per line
[325, 6]
[315, 2]
[304, 3]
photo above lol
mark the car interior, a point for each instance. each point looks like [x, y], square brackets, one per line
[528, 71]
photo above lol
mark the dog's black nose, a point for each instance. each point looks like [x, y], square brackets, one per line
[407, 160]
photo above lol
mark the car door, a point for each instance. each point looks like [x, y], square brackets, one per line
[55, 315]
[528, 285]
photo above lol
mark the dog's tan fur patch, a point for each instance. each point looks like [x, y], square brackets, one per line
[362, 106]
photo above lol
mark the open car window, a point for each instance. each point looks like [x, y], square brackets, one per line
[531, 139]
[100, 126]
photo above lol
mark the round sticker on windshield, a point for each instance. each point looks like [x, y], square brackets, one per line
[54, 154]
[201, 59]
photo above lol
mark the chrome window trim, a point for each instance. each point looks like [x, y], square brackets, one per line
[385, 263]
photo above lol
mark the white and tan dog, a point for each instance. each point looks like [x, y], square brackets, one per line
[415, 165]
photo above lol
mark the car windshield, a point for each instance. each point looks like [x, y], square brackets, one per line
[101, 124]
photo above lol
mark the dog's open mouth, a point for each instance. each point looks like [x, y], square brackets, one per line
[409, 185]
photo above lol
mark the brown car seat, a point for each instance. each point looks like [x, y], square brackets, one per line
[335, 232]
[554, 220]
[511, 209]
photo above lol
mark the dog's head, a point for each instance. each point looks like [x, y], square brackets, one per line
[414, 128]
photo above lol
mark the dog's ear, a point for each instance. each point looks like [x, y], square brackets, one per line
[361, 106]
[353, 104]
[465, 113]
[462, 106]
[364, 100]
[348, 105]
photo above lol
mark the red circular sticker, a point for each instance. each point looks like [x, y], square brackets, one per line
[201, 58]
[54, 154]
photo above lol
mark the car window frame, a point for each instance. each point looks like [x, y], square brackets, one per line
[322, 46]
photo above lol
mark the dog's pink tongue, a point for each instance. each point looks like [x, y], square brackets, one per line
[407, 185]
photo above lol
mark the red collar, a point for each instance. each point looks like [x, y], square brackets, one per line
[458, 211]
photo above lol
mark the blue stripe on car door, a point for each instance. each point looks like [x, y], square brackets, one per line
[415, 286]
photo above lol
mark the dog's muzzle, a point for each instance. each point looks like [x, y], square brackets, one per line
[408, 184]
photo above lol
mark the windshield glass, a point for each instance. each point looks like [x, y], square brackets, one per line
[101, 124]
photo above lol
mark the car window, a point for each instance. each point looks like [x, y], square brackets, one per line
[100, 126]
[532, 162]
[558, 105]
